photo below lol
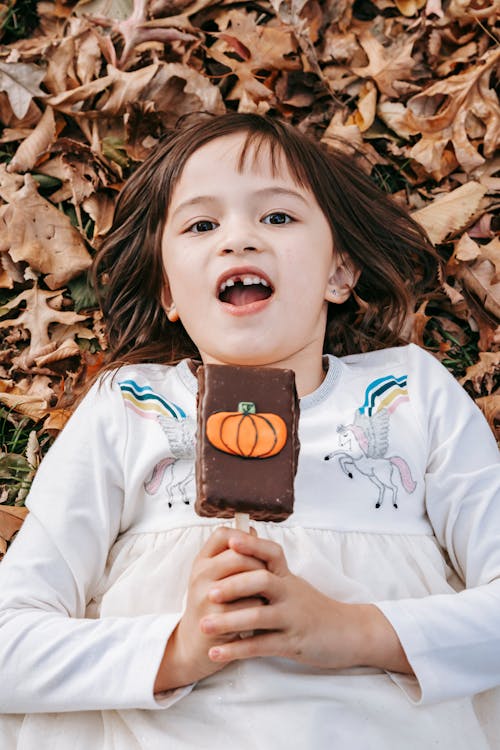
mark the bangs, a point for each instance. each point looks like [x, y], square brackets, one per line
[279, 151]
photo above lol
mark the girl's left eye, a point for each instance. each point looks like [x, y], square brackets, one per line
[202, 226]
[277, 217]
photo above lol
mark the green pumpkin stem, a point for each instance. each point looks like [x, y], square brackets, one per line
[247, 407]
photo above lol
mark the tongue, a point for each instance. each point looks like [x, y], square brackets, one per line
[239, 295]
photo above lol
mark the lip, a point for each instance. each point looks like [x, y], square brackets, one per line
[252, 307]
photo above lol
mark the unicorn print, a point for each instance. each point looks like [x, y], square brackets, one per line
[366, 441]
[175, 473]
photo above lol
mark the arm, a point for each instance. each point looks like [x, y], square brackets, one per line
[453, 641]
[51, 657]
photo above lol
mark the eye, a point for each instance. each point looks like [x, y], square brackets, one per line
[202, 226]
[277, 217]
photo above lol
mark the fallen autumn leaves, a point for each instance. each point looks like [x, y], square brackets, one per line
[85, 96]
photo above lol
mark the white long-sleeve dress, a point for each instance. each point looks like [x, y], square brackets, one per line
[404, 512]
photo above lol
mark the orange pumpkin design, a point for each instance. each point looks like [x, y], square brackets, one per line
[246, 432]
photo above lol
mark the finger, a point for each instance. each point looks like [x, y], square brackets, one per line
[262, 644]
[230, 563]
[250, 583]
[242, 620]
[269, 552]
[219, 541]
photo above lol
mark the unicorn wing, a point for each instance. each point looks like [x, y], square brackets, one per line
[180, 434]
[376, 429]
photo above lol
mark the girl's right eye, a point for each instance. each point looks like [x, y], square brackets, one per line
[202, 226]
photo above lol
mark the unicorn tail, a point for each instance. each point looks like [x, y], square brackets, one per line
[152, 485]
[404, 472]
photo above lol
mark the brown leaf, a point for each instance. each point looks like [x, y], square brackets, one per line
[100, 207]
[11, 520]
[490, 406]
[387, 66]
[482, 375]
[36, 144]
[271, 48]
[364, 115]
[479, 278]
[451, 212]
[442, 115]
[37, 317]
[21, 82]
[37, 233]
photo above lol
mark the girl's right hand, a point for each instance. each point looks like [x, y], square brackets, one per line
[186, 655]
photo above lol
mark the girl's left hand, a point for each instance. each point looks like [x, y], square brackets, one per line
[298, 621]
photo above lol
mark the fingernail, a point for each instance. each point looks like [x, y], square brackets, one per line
[207, 625]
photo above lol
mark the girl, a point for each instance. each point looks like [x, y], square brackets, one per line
[371, 617]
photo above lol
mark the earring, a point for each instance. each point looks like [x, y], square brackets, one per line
[333, 292]
[172, 313]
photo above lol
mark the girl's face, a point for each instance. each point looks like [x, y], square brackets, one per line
[248, 256]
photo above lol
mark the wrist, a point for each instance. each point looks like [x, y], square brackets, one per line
[378, 642]
[174, 671]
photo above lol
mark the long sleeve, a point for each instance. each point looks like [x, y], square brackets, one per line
[452, 641]
[53, 658]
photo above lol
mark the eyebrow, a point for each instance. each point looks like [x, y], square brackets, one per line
[260, 193]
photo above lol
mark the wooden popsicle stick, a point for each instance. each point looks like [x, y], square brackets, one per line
[242, 521]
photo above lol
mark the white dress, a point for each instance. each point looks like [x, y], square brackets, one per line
[405, 513]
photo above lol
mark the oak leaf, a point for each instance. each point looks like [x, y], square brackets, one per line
[38, 233]
[37, 318]
[390, 67]
[448, 113]
[260, 47]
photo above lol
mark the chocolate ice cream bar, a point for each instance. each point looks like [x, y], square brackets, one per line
[247, 442]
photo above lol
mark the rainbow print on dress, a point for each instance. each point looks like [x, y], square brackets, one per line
[142, 400]
[385, 393]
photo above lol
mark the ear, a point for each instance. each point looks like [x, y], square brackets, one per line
[342, 279]
[169, 305]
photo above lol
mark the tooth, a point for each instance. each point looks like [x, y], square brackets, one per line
[248, 281]
[229, 282]
[263, 282]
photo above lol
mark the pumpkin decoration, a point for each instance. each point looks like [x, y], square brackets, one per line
[246, 432]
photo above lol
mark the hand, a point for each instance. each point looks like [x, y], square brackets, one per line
[298, 622]
[186, 655]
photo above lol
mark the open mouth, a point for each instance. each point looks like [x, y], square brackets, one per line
[244, 289]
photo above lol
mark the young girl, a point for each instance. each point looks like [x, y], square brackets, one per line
[370, 618]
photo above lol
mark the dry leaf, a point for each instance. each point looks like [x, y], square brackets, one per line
[479, 278]
[482, 375]
[451, 212]
[442, 115]
[37, 317]
[466, 249]
[388, 66]
[36, 144]
[490, 406]
[367, 106]
[11, 520]
[34, 231]
[21, 82]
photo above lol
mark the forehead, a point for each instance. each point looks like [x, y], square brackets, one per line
[252, 155]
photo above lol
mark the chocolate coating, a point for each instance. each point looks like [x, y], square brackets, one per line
[226, 483]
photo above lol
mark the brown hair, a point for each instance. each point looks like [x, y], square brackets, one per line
[392, 251]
